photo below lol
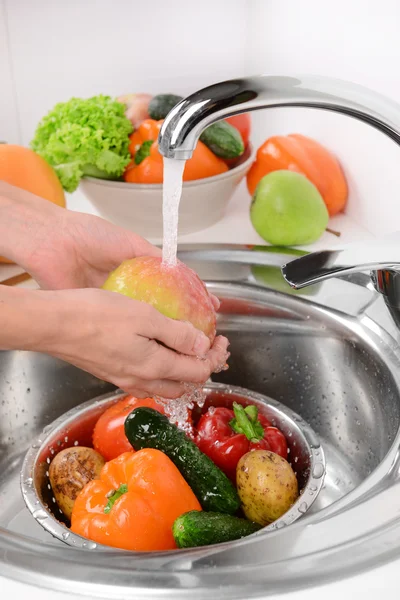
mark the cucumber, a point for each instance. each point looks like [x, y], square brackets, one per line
[160, 105]
[147, 428]
[223, 140]
[197, 528]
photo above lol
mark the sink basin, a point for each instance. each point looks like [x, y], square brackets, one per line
[328, 354]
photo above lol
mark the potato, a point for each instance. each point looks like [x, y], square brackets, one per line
[267, 486]
[69, 471]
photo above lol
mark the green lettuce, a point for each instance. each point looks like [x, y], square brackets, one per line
[85, 137]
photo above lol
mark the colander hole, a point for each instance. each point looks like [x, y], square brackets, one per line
[48, 460]
[76, 443]
[47, 474]
[48, 486]
[66, 439]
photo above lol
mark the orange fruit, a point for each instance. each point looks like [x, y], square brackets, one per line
[23, 168]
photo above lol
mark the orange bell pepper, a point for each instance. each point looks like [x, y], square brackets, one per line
[147, 164]
[306, 156]
[134, 503]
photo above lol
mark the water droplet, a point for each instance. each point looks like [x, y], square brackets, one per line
[318, 470]
[40, 515]
[303, 508]
[89, 545]
[65, 535]
[28, 482]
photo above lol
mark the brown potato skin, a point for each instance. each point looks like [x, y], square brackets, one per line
[267, 486]
[69, 471]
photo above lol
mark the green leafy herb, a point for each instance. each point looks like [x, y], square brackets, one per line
[85, 136]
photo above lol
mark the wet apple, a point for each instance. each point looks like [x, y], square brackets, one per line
[175, 291]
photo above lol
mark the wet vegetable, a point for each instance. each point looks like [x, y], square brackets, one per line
[135, 503]
[267, 486]
[147, 428]
[69, 472]
[226, 435]
[204, 528]
[109, 437]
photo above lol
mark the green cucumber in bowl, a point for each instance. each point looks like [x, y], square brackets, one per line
[160, 105]
[198, 528]
[148, 428]
[221, 137]
[223, 140]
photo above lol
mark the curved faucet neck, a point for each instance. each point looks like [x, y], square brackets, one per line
[185, 122]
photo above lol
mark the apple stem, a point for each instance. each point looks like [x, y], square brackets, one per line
[337, 233]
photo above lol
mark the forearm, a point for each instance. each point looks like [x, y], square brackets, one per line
[24, 219]
[29, 319]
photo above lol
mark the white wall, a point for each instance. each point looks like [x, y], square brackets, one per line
[355, 40]
[82, 47]
[9, 122]
[53, 49]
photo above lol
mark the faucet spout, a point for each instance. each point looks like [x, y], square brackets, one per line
[184, 124]
[378, 254]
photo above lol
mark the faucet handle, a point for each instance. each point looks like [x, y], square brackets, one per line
[370, 255]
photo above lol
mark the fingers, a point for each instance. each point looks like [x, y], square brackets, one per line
[215, 301]
[218, 355]
[163, 363]
[178, 335]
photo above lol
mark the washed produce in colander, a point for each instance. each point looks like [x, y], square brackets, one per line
[109, 437]
[134, 503]
[69, 472]
[267, 486]
[160, 491]
[225, 435]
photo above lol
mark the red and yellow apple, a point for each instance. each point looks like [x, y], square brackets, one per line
[175, 291]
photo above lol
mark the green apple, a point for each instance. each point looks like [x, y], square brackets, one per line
[288, 210]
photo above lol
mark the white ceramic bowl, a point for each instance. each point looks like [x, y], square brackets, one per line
[139, 206]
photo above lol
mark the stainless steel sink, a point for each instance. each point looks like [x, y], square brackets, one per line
[330, 353]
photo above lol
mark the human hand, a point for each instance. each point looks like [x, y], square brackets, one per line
[64, 249]
[129, 343]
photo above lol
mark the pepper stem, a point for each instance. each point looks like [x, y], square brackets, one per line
[246, 422]
[114, 497]
[143, 152]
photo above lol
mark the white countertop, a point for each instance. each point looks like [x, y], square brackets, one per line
[236, 228]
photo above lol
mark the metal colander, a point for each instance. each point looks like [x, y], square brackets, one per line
[76, 427]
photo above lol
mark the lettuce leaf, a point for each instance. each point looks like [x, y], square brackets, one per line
[85, 136]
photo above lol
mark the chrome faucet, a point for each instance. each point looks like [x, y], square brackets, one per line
[183, 126]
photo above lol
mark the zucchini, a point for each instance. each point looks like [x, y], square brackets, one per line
[223, 140]
[147, 428]
[160, 105]
[197, 528]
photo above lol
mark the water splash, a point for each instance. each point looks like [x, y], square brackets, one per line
[177, 410]
[172, 191]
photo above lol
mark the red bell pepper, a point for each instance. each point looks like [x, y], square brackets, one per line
[226, 435]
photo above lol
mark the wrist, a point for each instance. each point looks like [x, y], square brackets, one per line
[25, 219]
[29, 319]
